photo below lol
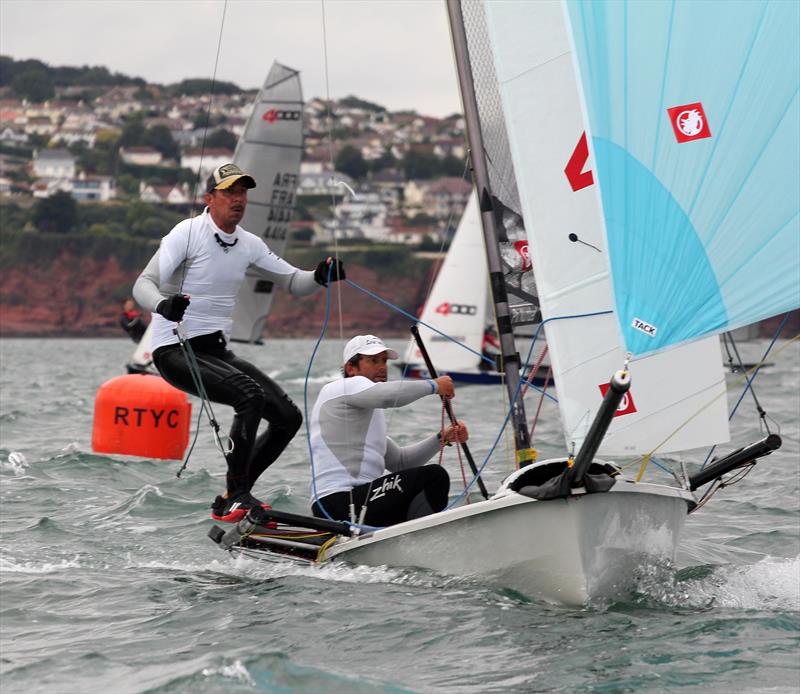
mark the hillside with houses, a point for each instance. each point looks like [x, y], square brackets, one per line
[148, 143]
[95, 168]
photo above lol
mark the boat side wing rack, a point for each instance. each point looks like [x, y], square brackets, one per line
[737, 459]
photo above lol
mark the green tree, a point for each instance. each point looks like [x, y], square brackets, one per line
[303, 234]
[128, 183]
[421, 165]
[222, 138]
[33, 84]
[202, 86]
[385, 161]
[452, 166]
[161, 139]
[201, 120]
[58, 213]
[350, 161]
[133, 134]
[354, 102]
[13, 217]
[428, 244]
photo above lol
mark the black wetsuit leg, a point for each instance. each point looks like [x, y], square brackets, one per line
[283, 417]
[232, 381]
[393, 498]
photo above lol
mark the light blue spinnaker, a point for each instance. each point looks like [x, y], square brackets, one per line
[703, 234]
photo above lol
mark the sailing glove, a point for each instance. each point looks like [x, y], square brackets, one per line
[173, 307]
[336, 269]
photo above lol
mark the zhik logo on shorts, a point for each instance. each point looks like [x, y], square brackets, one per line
[389, 484]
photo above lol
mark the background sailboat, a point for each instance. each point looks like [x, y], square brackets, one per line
[459, 305]
[270, 149]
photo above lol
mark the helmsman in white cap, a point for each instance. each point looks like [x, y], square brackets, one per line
[352, 452]
[193, 279]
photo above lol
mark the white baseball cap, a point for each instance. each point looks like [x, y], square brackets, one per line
[368, 345]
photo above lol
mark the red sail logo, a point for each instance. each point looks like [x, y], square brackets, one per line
[448, 309]
[689, 122]
[577, 177]
[522, 248]
[625, 406]
[274, 114]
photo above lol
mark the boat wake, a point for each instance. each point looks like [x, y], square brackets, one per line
[770, 584]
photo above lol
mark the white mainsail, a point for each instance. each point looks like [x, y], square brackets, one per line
[677, 399]
[270, 149]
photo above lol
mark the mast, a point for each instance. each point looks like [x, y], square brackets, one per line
[510, 357]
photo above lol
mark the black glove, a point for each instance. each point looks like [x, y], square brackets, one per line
[321, 273]
[173, 307]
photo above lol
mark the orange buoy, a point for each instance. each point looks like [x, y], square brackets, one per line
[143, 415]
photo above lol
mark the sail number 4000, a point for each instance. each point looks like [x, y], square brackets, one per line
[459, 309]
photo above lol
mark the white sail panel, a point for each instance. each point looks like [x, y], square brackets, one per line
[270, 149]
[563, 216]
[695, 120]
[458, 300]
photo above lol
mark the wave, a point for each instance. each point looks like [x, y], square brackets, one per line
[7, 564]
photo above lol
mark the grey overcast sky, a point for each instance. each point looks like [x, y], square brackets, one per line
[393, 52]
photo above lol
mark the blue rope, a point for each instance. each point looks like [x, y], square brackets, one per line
[305, 407]
[519, 385]
[414, 319]
[750, 381]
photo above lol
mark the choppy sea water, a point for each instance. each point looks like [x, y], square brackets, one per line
[109, 584]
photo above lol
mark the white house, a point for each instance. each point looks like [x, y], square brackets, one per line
[100, 188]
[178, 194]
[54, 163]
[12, 136]
[46, 187]
[205, 161]
[141, 156]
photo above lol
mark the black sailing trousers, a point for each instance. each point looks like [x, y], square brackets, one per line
[252, 394]
[400, 496]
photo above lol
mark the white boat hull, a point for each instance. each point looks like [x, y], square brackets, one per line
[567, 551]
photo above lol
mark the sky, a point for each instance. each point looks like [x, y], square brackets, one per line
[393, 52]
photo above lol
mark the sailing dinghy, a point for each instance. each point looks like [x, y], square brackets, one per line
[660, 194]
